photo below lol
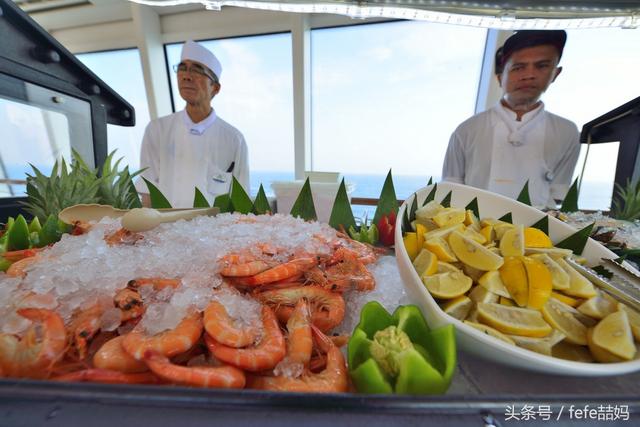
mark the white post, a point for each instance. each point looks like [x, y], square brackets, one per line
[301, 56]
[149, 41]
[489, 91]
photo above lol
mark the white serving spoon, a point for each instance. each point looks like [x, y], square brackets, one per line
[89, 212]
[144, 219]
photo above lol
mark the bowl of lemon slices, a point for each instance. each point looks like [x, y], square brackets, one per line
[491, 266]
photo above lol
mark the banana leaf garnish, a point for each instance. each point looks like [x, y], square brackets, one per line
[570, 202]
[303, 207]
[341, 213]
[446, 202]
[578, 240]
[432, 195]
[542, 224]
[261, 203]
[223, 202]
[506, 218]
[523, 197]
[240, 200]
[388, 201]
[158, 201]
[430, 181]
[199, 201]
[473, 205]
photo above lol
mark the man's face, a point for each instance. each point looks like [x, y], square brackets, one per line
[528, 73]
[196, 88]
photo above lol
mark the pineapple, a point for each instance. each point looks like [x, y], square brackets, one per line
[48, 195]
[627, 205]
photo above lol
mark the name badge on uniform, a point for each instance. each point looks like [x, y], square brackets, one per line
[219, 178]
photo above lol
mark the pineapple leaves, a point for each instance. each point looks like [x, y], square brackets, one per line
[626, 204]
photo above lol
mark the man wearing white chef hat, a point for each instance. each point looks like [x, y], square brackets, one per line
[517, 140]
[193, 148]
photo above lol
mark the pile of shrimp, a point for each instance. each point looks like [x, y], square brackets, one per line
[289, 348]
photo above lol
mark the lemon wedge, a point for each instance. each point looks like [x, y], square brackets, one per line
[535, 238]
[539, 279]
[480, 294]
[410, 241]
[507, 301]
[613, 333]
[459, 307]
[491, 281]
[579, 286]
[634, 319]
[420, 231]
[441, 248]
[513, 320]
[561, 317]
[539, 345]
[488, 233]
[449, 216]
[512, 241]
[428, 211]
[471, 220]
[426, 263]
[559, 278]
[445, 267]
[473, 253]
[488, 330]
[575, 353]
[599, 306]
[447, 285]
[572, 302]
[514, 277]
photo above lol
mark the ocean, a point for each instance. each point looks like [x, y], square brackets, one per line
[594, 195]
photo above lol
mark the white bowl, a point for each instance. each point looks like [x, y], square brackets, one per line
[472, 340]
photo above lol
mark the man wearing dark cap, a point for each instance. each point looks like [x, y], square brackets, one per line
[516, 140]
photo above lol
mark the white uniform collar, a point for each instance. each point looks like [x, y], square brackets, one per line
[518, 129]
[200, 127]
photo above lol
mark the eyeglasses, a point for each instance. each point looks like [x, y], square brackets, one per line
[195, 69]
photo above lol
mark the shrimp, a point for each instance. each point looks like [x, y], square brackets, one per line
[197, 376]
[14, 256]
[299, 340]
[245, 269]
[111, 356]
[327, 308]
[280, 272]
[40, 348]
[84, 326]
[265, 355]
[168, 343]
[130, 303]
[333, 379]
[219, 326]
[80, 227]
[122, 237]
[349, 273]
[108, 376]
[158, 283]
[18, 268]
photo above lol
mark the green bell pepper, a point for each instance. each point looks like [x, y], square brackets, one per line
[365, 234]
[399, 353]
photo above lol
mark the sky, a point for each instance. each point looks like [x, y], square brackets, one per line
[383, 95]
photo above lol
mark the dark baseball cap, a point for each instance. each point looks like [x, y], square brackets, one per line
[529, 38]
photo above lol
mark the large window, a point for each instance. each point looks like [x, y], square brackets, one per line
[388, 96]
[121, 69]
[600, 72]
[256, 98]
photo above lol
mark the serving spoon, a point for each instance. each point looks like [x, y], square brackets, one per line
[144, 219]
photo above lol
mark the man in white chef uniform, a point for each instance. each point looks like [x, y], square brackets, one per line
[193, 147]
[517, 139]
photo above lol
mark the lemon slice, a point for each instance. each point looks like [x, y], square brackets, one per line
[599, 306]
[458, 307]
[429, 210]
[634, 319]
[507, 301]
[449, 216]
[420, 230]
[475, 235]
[426, 263]
[441, 248]
[471, 220]
[512, 241]
[513, 320]
[488, 330]
[474, 273]
[559, 278]
[572, 302]
[539, 345]
[472, 253]
[535, 238]
[410, 241]
[488, 233]
[579, 286]
[561, 317]
[482, 294]
[575, 353]
[443, 232]
[552, 252]
[502, 228]
[514, 277]
[445, 267]
[447, 285]
[613, 333]
[539, 279]
[491, 281]
[599, 353]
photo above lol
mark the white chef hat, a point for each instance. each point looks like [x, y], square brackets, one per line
[196, 52]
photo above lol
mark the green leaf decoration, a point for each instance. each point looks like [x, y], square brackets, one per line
[570, 202]
[50, 232]
[303, 207]
[506, 218]
[199, 201]
[261, 203]
[473, 205]
[388, 201]
[239, 198]
[414, 208]
[446, 202]
[626, 202]
[543, 224]
[602, 271]
[578, 240]
[430, 181]
[432, 195]
[158, 201]
[341, 214]
[523, 197]
[406, 224]
[223, 202]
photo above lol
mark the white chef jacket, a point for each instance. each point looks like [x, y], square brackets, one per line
[494, 151]
[181, 155]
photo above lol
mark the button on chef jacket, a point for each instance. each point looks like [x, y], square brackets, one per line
[494, 151]
[181, 155]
